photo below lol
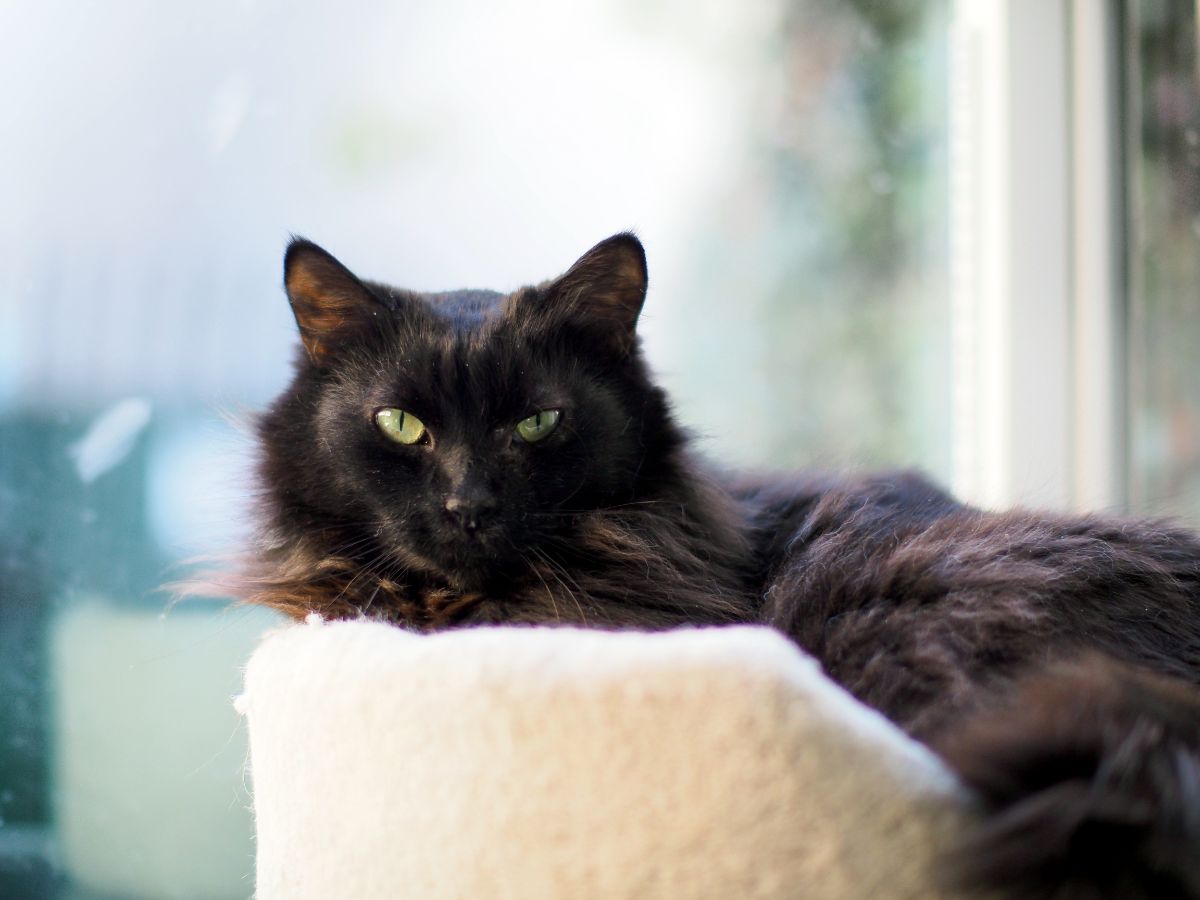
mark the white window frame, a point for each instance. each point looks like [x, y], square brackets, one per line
[1037, 294]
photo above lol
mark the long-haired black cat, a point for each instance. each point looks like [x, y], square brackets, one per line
[466, 458]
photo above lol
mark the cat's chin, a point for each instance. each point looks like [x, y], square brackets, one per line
[459, 562]
[471, 570]
[475, 580]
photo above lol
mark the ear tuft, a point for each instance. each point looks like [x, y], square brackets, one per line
[328, 301]
[607, 285]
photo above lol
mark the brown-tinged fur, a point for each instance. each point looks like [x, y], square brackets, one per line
[658, 551]
[1052, 660]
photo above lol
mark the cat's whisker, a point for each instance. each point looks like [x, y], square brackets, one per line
[534, 569]
[554, 569]
[364, 571]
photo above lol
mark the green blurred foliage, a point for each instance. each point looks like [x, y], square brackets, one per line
[841, 228]
[1162, 129]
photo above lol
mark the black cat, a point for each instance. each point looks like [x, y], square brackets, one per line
[466, 458]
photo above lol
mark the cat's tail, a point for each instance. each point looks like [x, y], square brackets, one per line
[1090, 772]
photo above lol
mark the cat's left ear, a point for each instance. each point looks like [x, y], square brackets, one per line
[606, 287]
[328, 300]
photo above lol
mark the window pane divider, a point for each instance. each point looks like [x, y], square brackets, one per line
[1034, 231]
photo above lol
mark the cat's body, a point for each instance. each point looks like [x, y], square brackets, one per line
[472, 458]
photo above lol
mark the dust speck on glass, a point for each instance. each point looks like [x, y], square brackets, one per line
[784, 163]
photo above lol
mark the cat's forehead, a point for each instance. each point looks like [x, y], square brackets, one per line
[465, 326]
[471, 356]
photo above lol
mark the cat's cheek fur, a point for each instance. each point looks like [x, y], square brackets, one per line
[607, 448]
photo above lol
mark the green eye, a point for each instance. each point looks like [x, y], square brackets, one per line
[539, 425]
[399, 426]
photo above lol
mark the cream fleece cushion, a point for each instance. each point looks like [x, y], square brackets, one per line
[559, 763]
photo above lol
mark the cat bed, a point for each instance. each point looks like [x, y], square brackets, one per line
[559, 763]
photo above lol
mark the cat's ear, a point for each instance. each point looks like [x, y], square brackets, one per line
[328, 300]
[606, 287]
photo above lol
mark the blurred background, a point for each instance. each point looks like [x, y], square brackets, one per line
[813, 184]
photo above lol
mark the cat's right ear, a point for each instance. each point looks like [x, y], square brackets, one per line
[604, 289]
[328, 300]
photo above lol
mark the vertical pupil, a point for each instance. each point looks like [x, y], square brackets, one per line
[537, 421]
[400, 422]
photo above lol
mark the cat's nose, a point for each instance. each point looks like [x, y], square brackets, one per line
[470, 512]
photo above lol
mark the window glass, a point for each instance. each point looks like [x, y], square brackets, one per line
[783, 162]
[818, 331]
[1162, 94]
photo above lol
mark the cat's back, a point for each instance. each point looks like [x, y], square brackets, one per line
[910, 598]
[786, 514]
[466, 306]
[462, 309]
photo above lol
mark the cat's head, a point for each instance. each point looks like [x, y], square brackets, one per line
[460, 435]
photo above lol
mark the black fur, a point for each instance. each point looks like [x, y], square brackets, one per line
[1053, 661]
